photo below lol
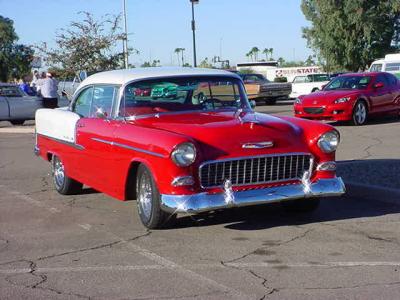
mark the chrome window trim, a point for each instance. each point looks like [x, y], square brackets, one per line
[312, 159]
[128, 147]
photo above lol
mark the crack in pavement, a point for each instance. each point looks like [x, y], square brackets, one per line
[367, 148]
[271, 290]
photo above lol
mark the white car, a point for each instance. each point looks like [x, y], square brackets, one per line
[390, 64]
[304, 85]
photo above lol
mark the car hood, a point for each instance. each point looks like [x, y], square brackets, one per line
[326, 97]
[223, 134]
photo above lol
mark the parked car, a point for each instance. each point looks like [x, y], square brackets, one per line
[352, 97]
[304, 85]
[259, 88]
[164, 90]
[16, 106]
[390, 64]
[185, 155]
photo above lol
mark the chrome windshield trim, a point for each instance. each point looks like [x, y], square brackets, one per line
[71, 144]
[128, 147]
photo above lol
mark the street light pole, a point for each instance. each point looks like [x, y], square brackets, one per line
[125, 41]
[194, 32]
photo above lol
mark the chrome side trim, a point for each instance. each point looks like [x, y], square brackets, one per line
[205, 202]
[127, 147]
[73, 145]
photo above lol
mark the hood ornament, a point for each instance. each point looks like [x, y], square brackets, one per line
[258, 145]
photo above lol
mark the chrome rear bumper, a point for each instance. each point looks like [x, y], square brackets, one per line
[205, 202]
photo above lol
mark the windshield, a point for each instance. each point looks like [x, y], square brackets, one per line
[321, 77]
[348, 83]
[249, 78]
[179, 94]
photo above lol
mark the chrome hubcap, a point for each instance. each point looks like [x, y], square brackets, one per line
[59, 174]
[361, 113]
[145, 196]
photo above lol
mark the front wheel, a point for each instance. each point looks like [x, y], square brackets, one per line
[148, 201]
[360, 113]
[301, 205]
[63, 184]
[270, 101]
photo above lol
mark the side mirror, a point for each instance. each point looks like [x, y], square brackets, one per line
[83, 75]
[379, 85]
[253, 104]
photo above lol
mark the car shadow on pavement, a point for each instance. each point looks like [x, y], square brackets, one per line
[349, 206]
[375, 120]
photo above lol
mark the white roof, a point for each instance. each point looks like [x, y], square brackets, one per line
[128, 75]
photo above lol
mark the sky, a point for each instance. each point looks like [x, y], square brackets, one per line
[229, 28]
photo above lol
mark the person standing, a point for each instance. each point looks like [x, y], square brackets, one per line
[48, 90]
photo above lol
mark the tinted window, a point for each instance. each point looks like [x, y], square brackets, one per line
[321, 77]
[376, 68]
[83, 102]
[348, 83]
[255, 78]
[301, 79]
[11, 91]
[390, 67]
[103, 98]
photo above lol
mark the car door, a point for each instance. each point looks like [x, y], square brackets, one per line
[395, 91]
[22, 106]
[381, 94]
[4, 109]
[94, 132]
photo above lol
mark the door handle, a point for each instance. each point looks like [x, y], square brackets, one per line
[80, 125]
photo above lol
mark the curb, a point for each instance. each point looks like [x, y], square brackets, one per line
[373, 192]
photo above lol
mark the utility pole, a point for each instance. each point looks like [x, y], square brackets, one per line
[194, 32]
[125, 40]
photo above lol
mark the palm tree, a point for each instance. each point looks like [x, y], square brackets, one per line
[266, 52]
[177, 51]
[271, 50]
[255, 51]
[249, 55]
[281, 61]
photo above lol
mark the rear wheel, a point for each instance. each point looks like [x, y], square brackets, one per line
[301, 205]
[360, 113]
[315, 90]
[149, 201]
[63, 184]
[17, 122]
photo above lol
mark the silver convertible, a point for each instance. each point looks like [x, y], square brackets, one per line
[16, 106]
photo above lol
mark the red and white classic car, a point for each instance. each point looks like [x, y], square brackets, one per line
[204, 150]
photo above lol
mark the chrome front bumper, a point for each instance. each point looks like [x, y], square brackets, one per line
[205, 202]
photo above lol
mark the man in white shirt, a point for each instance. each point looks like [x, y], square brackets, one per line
[48, 90]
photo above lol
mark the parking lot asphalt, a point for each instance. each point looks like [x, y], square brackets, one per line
[91, 246]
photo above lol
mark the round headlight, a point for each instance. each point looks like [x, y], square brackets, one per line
[329, 141]
[184, 154]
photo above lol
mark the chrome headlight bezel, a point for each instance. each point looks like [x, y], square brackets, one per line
[297, 101]
[342, 100]
[329, 141]
[184, 154]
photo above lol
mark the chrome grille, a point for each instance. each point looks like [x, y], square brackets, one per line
[255, 170]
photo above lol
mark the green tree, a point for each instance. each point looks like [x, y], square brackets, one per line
[87, 45]
[154, 63]
[255, 52]
[15, 59]
[350, 34]
[205, 63]
[180, 50]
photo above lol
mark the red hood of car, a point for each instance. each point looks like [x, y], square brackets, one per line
[326, 97]
[223, 134]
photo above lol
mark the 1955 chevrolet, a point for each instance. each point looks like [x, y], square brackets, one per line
[205, 149]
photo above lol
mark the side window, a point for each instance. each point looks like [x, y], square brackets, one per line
[83, 102]
[103, 98]
[376, 68]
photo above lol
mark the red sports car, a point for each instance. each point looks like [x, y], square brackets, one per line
[352, 97]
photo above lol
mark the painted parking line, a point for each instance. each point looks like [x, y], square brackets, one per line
[25, 129]
[255, 265]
